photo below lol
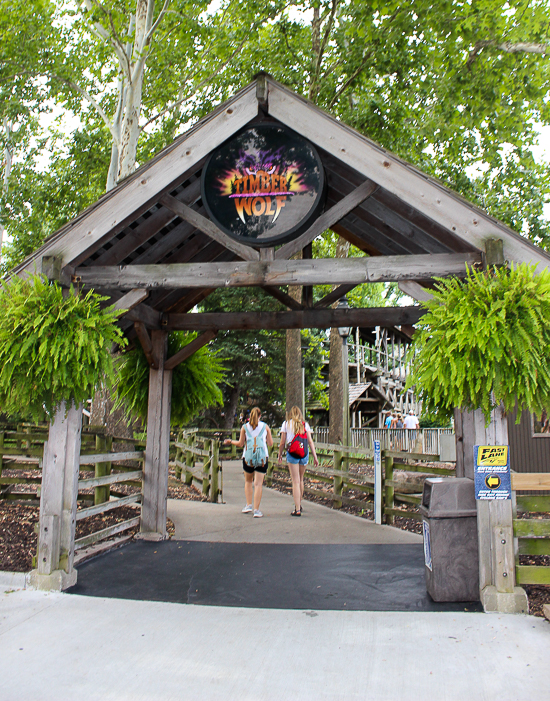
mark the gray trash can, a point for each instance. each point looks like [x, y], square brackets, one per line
[449, 519]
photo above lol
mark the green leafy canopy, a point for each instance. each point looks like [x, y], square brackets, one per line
[53, 347]
[485, 340]
[194, 381]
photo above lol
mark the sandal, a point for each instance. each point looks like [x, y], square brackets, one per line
[296, 513]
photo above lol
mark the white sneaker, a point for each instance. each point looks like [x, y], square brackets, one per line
[257, 513]
[247, 509]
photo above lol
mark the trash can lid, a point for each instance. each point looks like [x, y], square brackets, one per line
[448, 497]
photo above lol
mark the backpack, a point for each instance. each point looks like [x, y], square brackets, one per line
[298, 445]
[255, 454]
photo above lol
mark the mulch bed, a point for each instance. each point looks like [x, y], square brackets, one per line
[18, 521]
[537, 594]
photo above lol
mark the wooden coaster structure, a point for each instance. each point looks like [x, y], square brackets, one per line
[150, 247]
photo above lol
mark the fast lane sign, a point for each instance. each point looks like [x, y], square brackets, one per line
[492, 472]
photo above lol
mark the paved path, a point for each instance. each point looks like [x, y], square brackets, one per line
[64, 646]
[225, 523]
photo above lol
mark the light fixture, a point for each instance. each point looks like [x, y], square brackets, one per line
[343, 303]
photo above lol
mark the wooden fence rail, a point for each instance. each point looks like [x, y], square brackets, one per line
[533, 534]
[205, 473]
[393, 492]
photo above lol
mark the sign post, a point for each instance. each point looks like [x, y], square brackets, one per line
[377, 483]
[493, 492]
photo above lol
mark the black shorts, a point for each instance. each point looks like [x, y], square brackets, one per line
[259, 468]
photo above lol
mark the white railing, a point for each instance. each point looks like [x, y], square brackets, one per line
[424, 440]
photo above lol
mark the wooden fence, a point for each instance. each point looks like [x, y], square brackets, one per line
[22, 449]
[532, 533]
[198, 462]
[334, 469]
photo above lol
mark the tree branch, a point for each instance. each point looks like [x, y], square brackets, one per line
[102, 33]
[197, 87]
[157, 22]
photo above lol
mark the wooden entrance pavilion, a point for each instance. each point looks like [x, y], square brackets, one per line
[150, 246]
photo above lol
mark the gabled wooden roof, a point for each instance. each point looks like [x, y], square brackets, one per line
[403, 213]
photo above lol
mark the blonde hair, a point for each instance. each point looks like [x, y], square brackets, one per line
[255, 417]
[295, 419]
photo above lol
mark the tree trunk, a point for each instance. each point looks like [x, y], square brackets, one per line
[336, 389]
[229, 420]
[335, 378]
[294, 390]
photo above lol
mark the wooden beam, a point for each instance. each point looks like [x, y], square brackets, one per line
[134, 238]
[282, 297]
[306, 319]
[145, 314]
[148, 181]
[279, 272]
[146, 343]
[307, 290]
[130, 300]
[416, 291]
[328, 219]
[189, 349]
[209, 228]
[424, 194]
[155, 466]
[333, 296]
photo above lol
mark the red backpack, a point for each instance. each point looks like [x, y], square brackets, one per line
[298, 445]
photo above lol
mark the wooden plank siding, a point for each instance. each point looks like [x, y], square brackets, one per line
[527, 454]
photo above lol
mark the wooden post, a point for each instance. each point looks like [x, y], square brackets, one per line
[155, 469]
[189, 460]
[58, 500]
[233, 447]
[388, 491]
[494, 518]
[270, 465]
[103, 444]
[179, 456]
[214, 467]
[206, 466]
[337, 480]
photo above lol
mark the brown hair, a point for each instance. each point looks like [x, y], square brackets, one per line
[295, 419]
[255, 417]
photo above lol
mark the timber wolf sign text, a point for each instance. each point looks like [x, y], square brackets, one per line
[264, 186]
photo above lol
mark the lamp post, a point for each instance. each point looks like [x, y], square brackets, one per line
[344, 332]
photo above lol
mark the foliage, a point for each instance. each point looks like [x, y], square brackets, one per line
[456, 88]
[255, 360]
[194, 381]
[53, 347]
[484, 341]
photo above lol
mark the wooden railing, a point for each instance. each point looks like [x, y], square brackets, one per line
[423, 440]
[198, 462]
[22, 449]
[334, 462]
[533, 534]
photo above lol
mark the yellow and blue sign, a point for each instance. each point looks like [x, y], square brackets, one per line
[492, 472]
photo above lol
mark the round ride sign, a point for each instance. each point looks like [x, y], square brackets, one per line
[264, 186]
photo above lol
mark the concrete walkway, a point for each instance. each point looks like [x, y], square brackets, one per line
[224, 523]
[97, 649]
[65, 646]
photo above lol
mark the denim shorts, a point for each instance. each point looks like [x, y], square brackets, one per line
[297, 461]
